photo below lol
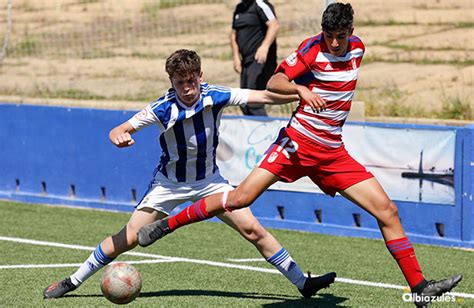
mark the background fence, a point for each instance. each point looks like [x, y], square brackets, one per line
[114, 50]
[95, 29]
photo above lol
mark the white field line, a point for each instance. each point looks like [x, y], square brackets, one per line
[77, 264]
[79, 247]
[218, 264]
[463, 248]
[140, 254]
[247, 260]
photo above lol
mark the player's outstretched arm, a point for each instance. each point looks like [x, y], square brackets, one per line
[267, 97]
[121, 135]
[280, 83]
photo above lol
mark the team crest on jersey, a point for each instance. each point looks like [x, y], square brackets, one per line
[292, 59]
[142, 114]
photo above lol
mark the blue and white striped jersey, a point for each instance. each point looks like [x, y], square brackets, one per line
[189, 135]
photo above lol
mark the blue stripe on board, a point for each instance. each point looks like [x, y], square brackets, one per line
[200, 131]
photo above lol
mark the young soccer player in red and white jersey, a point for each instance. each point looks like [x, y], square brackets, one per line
[324, 70]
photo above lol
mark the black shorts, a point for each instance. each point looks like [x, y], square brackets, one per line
[255, 75]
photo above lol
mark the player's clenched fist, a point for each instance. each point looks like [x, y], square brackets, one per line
[123, 140]
[121, 135]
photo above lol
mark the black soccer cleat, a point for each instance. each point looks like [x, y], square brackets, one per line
[434, 289]
[314, 284]
[150, 233]
[58, 289]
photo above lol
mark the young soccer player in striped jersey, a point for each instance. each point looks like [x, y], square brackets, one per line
[187, 118]
[324, 69]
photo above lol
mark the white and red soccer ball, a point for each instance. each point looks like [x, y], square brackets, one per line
[121, 283]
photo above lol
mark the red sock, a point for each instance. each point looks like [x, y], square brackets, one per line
[403, 252]
[193, 213]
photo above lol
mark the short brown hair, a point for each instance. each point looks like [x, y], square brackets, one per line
[183, 62]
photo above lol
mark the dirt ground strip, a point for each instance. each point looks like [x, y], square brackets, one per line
[419, 53]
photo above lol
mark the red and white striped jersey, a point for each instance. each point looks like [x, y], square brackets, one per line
[333, 78]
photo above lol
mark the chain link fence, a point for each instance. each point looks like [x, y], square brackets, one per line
[102, 28]
[111, 52]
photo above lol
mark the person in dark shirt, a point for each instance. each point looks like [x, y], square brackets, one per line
[253, 42]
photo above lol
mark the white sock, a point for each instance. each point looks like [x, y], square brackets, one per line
[95, 262]
[287, 266]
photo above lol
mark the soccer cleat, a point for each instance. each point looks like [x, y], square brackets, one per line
[314, 284]
[58, 289]
[434, 289]
[150, 233]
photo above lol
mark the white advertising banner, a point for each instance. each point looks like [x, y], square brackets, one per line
[411, 164]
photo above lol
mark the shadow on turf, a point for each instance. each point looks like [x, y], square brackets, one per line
[321, 300]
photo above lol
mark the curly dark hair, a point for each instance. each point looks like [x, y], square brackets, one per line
[337, 17]
[183, 62]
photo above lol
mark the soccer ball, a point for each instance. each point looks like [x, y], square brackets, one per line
[121, 283]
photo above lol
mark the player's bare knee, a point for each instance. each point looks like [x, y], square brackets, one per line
[259, 233]
[392, 210]
[239, 200]
[254, 232]
[388, 213]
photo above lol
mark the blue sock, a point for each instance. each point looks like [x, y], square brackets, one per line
[287, 266]
[95, 262]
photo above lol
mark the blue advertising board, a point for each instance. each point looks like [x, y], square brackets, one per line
[60, 155]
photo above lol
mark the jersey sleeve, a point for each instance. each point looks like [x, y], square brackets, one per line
[297, 63]
[144, 118]
[238, 97]
[356, 43]
[265, 11]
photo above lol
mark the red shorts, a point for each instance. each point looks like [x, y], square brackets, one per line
[294, 155]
